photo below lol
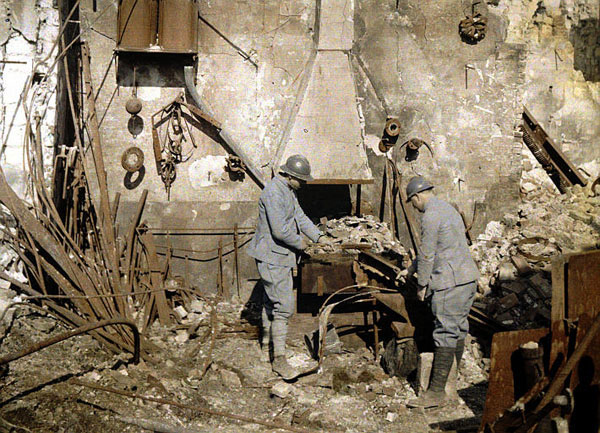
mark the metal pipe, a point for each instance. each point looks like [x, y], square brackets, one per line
[81, 330]
[189, 82]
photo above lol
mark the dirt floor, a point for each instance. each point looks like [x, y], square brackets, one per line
[351, 393]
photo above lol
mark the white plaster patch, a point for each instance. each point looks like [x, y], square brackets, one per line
[148, 93]
[207, 171]
[225, 206]
[372, 142]
[439, 144]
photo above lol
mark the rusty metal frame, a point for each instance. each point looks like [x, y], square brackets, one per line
[572, 336]
[562, 172]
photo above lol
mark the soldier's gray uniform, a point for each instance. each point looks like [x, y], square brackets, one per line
[446, 267]
[274, 246]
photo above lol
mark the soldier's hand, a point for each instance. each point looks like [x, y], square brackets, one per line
[421, 291]
[303, 244]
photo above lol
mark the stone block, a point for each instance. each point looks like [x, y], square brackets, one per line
[230, 379]
[424, 371]
[508, 302]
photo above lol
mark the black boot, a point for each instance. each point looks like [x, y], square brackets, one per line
[458, 353]
[436, 393]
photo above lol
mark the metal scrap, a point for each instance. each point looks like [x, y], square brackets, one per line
[391, 131]
[472, 28]
[170, 151]
[81, 330]
[132, 159]
[562, 172]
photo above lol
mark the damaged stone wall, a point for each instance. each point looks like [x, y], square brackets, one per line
[466, 100]
[252, 103]
[28, 29]
[562, 73]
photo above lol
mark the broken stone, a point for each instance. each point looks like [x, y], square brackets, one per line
[391, 416]
[356, 230]
[282, 389]
[521, 264]
[505, 318]
[180, 311]
[182, 336]
[508, 302]
[389, 391]
[517, 287]
[528, 187]
[544, 314]
[506, 272]
[230, 378]
[43, 325]
[341, 380]
[198, 306]
[542, 284]
[510, 220]
[370, 396]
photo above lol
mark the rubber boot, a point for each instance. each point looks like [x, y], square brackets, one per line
[265, 342]
[435, 396]
[458, 353]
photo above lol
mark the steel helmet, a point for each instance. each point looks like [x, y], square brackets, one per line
[415, 185]
[297, 166]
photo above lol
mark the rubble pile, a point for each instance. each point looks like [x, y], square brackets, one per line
[353, 233]
[223, 374]
[514, 255]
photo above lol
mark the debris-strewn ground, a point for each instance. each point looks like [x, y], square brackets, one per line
[352, 393]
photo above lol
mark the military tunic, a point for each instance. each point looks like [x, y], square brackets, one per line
[276, 241]
[446, 268]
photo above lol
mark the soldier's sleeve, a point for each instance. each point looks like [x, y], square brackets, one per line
[306, 225]
[429, 237]
[282, 226]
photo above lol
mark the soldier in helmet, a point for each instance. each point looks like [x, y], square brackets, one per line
[278, 238]
[447, 274]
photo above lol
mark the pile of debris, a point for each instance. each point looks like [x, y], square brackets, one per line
[515, 254]
[353, 233]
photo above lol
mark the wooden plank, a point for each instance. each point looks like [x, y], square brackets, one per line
[583, 283]
[408, 212]
[558, 289]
